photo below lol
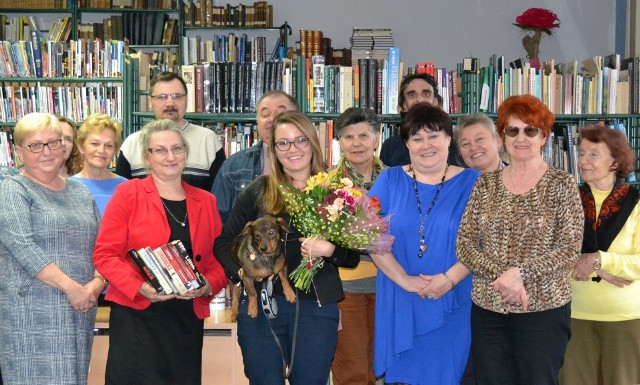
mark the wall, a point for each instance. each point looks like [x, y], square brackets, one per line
[445, 31]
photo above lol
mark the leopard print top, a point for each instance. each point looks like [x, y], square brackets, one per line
[540, 232]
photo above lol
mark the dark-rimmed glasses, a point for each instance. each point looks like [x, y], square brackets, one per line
[39, 147]
[165, 97]
[529, 131]
[284, 145]
[175, 150]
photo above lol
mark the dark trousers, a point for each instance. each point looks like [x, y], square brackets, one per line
[315, 343]
[519, 348]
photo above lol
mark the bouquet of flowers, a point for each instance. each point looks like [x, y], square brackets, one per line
[534, 21]
[330, 207]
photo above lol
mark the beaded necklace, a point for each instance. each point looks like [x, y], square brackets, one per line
[423, 245]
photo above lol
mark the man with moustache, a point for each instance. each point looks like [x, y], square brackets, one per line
[244, 166]
[414, 89]
[168, 100]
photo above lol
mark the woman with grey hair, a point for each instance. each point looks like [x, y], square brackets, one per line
[358, 131]
[48, 284]
[479, 143]
[148, 328]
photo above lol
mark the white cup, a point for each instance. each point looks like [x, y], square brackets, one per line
[219, 301]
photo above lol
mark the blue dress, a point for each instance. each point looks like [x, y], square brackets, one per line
[422, 341]
[102, 189]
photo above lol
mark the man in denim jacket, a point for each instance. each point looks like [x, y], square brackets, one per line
[240, 169]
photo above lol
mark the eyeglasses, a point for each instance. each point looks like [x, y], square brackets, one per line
[529, 131]
[269, 304]
[39, 147]
[284, 145]
[175, 150]
[165, 97]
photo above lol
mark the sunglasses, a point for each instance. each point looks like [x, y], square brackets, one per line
[268, 302]
[529, 131]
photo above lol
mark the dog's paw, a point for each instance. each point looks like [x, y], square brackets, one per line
[234, 316]
[291, 297]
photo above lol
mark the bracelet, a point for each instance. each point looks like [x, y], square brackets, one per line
[449, 279]
[104, 281]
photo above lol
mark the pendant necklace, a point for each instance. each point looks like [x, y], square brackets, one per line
[183, 223]
[423, 245]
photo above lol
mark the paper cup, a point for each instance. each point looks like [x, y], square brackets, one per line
[219, 301]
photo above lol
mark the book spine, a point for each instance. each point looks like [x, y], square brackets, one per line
[146, 270]
[159, 271]
[188, 273]
[173, 259]
[173, 275]
[189, 261]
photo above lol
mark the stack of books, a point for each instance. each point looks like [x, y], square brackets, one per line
[168, 268]
[370, 43]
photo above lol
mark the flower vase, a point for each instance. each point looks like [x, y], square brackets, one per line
[531, 44]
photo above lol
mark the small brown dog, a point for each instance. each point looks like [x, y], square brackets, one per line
[257, 250]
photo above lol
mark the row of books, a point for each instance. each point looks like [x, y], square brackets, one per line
[75, 59]
[598, 85]
[231, 87]
[74, 102]
[226, 48]
[15, 27]
[128, 4]
[168, 268]
[34, 4]
[333, 56]
[150, 28]
[7, 150]
[206, 13]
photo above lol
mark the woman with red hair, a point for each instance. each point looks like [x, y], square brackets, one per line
[520, 236]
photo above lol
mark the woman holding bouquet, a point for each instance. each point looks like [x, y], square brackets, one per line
[303, 335]
[423, 302]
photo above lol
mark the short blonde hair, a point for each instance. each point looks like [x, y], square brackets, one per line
[160, 125]
[34, 122]
[94, 124]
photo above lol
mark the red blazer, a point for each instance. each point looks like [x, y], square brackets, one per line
[135, 218]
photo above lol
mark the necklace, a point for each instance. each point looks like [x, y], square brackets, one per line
[423, 245]
[183, 223]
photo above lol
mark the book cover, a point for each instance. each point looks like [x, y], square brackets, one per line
[189, 261]
[148, 273]
[160, 272]
[163, 259]
[188, 74]
[174, 258]
[188, 274]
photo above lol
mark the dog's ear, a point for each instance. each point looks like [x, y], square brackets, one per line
[283, 225]
[248, 230]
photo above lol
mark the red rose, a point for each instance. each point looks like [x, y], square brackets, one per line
[538, 18]
[374, 203]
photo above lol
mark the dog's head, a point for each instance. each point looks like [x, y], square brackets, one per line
[266, 233]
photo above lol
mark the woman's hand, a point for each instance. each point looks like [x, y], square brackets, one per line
[612, 279]
[316, 247]
[96, 285]
[511, 287]
[149, 292]
[80, 297]
[415, 284]
[199, 292]
[584, 267]
[437, 286]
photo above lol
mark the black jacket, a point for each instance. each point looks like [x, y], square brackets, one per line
[326, 287]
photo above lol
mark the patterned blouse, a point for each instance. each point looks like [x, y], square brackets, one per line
[540, 232]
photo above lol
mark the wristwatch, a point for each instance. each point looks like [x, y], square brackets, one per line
[596, 263]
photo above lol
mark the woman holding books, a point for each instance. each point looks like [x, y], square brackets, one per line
[479, 143]
[520, 236]
[422, 333]
[157, 338]
[303, 335]
[99, 139]
[605, 306]
[357, 130]
[48, 284]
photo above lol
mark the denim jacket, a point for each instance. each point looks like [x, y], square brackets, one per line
[236, 174]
